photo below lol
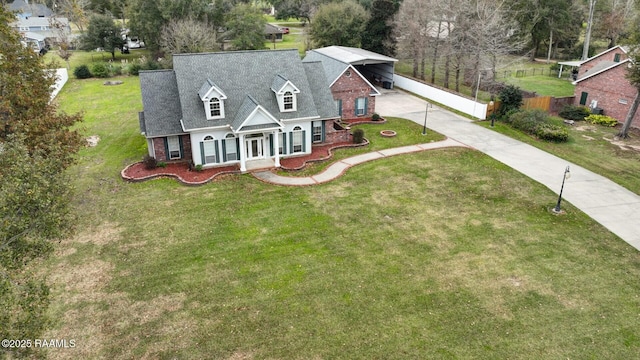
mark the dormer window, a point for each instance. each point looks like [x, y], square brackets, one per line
[213, 100]
[288, 101]
[285, 92]
[215, 108]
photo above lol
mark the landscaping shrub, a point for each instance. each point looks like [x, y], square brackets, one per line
[149, 162]
[82, 72]
[550, 132]
[510, 98]
[538, 123]
[601, 120]
[115, 70]
[134, 69]
[375, 117]
[573, 112]
[358, 136]
[100, 70]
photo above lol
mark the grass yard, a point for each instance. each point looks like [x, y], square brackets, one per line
[408, 133]
[543, 85]
[435, 255]
[591, 147]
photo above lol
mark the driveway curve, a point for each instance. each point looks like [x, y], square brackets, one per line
[608, 203]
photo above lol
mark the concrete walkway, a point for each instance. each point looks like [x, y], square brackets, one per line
[608, 203]
[338, 168]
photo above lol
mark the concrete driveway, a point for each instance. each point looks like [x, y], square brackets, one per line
[613, 206]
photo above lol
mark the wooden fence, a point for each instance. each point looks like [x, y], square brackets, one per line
[547, 103]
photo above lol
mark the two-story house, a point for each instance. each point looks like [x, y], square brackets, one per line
[238, 107]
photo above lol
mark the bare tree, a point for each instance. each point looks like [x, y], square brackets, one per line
[188, 36]
[62, 39]
[412, 28]
[75, 11]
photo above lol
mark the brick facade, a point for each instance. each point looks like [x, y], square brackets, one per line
[606, 56]
[612, 91]
[348, 88]
[159, 148]
[334, 133]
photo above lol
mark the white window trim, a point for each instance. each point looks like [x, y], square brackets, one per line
[297, 132]
[173, 144]
[205, 142]
[231, 139]
[364, 106]
[210, 115]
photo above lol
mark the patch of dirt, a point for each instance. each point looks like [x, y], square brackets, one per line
[588, 137]
[590, 128]
[106, 233]
[631, 143]
[100, 320]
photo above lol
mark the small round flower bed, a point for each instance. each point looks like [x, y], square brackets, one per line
[388, 133]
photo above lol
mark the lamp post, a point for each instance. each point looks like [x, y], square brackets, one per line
[491, 103]
[567, 175]
[426, 113]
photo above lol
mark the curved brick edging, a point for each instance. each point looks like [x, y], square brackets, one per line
[381, 121]
[171, 175]
[329, 156]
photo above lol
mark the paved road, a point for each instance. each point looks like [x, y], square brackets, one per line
[613, 206]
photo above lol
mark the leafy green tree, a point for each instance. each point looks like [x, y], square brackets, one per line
[36, 146]
[246, 27]
[378, 33]
[102, 32]
[299, 9]
[340, 23]
[148, 17]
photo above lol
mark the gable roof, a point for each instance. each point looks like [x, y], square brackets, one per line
[172, 99]
[600, 68]
[272, 29]
[161, 104]
[238, 74]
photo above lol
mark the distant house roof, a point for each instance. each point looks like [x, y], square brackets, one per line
[245, 77]
[272, 29]
[40, 21]
[580, 62]
[23, 8]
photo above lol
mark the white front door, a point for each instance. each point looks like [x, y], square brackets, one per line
[254, 147]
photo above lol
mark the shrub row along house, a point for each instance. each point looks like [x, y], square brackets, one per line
[249, 108]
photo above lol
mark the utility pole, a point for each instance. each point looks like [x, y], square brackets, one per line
[587, 35]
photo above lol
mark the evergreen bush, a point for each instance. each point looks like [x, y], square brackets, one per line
[358, 136]
[149, 162]
[82, 72]
[100, 70]
[573, 112]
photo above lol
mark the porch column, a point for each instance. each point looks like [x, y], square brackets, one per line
[243, 154]
[276, 145]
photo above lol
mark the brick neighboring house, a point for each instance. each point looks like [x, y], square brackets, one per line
[602, 84]
[246, 108]
[351, 74]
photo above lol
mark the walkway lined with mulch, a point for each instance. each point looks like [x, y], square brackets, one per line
[181, 172]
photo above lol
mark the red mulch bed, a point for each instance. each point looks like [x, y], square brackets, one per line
[180, 171]
[318, 153]
[363, 121]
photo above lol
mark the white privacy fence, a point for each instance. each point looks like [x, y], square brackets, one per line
[62, 75]
[457, 102]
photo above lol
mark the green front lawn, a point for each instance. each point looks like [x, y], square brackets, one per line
[591, 147]
[439, 254]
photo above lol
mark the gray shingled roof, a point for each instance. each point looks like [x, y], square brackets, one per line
[161, 103]
[333, 68]
[238, 74]
[324, 100]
